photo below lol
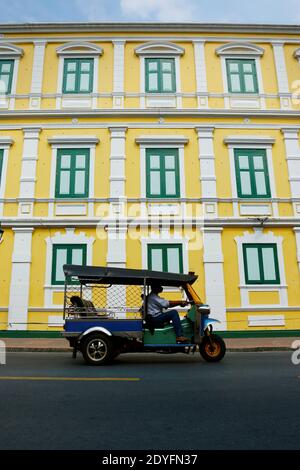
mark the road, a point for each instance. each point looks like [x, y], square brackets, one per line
[150, 401]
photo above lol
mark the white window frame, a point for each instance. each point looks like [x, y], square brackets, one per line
[67, 238]
[164, 237]
[252, 142]
[78, 50]
[73, 142]
[11, 52]
[160, 142]
[5, 143]
[246, 51]
[259, 237]
[166, 50]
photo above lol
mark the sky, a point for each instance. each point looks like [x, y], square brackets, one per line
[219, 11]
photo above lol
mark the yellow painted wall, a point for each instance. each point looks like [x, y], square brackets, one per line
[293, 72]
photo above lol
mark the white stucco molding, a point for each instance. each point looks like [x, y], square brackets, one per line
[249, 139]
[79, 48]
[69, 237]
[258, 236]
[73, 139]
[162, 140]
[240, 48]
[297, 54]
[159, 48]
[9, 50]
[297, 235]
[6, 142]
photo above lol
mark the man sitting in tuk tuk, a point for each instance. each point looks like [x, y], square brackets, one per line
[157, 315]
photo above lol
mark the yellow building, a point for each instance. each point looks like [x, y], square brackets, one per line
[167, 146]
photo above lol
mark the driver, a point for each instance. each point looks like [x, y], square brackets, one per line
[158, 316]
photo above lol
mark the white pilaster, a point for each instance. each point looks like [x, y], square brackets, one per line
[201, 79]
[5, 143]
[37, 74]
[117, 161]
[214, 275]
[282, 78]
[207, 164]
[116, 257]
[297, 234]
[118, 83]
[291, 139]
[28, 174]
[20, 279]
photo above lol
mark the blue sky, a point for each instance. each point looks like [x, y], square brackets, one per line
[254, 11]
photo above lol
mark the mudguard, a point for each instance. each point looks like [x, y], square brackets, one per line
[209, 321]
[94, 329]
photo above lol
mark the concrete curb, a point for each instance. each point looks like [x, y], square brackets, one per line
[63, 350]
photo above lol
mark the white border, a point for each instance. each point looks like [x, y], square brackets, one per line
[5, 143]
[65, 142]
[260, 237]
[74, 50]
[69, 237]
[251, 142]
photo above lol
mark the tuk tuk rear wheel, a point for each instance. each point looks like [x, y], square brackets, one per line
[212, 348]
[97, 349]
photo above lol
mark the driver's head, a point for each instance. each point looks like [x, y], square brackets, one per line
[156, 288]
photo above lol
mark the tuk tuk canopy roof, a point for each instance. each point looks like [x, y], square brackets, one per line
[110, 275]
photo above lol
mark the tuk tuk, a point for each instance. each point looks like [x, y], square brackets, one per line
[105, 314]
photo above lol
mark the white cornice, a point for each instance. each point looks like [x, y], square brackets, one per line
[159, 48]
[249, 139]
[10, 50]
[162, 139]
[240, 48]
[150, 112]
[6, 141]
[149, 27]
[74, 139]
[82, 48]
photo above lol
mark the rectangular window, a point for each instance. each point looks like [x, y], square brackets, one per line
[166, 258]
[66, 254]
[72, 173]
[261, 263]
[162, 173]
[242, 76]
[160, 76]
[6, 75]
[252, 174]
[78, 75]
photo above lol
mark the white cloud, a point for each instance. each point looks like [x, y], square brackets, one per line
[160, 10]
[93, 10]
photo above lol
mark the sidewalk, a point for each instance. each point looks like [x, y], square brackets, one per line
[232, 344]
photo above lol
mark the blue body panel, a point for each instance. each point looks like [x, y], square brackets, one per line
[81, 325]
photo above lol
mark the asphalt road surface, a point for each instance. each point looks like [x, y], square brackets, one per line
[150, 401]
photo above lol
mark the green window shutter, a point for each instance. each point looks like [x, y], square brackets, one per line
[72, 173]
[252, 175]
[66, 254]
[165, 257]
[241, 76]
[6, 75]
[78, 76]
[162, 173]
[261, 263]
[160, 75]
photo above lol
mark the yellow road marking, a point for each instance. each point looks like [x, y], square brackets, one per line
[91, 379]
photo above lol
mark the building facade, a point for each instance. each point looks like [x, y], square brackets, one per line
[165, 146]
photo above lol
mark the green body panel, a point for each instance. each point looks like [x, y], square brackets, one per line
[167, 335]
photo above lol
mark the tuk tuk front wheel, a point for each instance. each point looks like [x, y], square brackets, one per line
[212, 348]
[97, 349]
